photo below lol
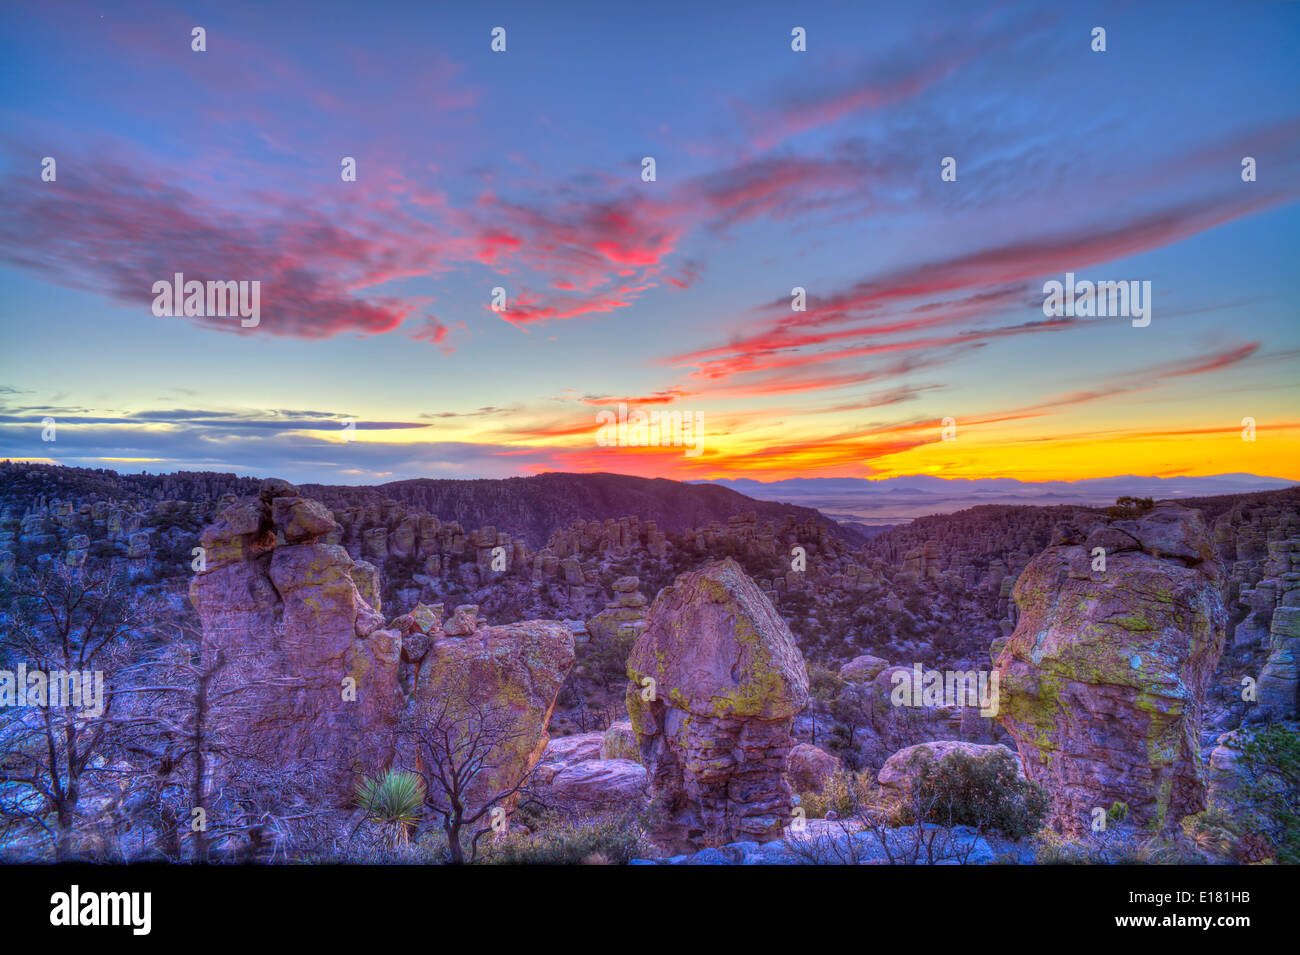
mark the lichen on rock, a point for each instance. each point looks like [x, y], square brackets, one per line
[332, 688]
[1103, 680]
[728, 680]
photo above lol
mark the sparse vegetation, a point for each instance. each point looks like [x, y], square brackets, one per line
[1126, 508]
[604, 840]
[845, 793]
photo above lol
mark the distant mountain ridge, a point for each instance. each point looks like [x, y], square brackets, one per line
[901, 499]
[532, 508]
[852, 509]
[535, 507]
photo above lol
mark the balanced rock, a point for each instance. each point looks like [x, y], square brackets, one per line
[302, 519]
[862, 669]
[716, 679]
[624, 617]
[619, 742]
[1103, 680]
[319, 678]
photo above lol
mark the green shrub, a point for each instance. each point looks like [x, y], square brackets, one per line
[1127, 507]
[393, 800]
[604, 840]
[1269, 792]
[985, 792]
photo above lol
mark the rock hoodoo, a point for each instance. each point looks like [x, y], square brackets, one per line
[1279, 680]
[624, 616]
[1103, 680]
[280, 606]
[329, 681]
[728, 679]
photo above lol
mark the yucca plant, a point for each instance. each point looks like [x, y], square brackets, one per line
[394, 801]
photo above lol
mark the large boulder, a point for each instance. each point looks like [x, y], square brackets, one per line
[619, 742]
[302, 519]
[863, 669]
[564, 751]
[716, 679]
[1103, 680]
[809, 769]
[500, 682]
[576, 775]
[597, 786]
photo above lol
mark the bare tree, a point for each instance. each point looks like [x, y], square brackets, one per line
[869, 835]
[167, 745]
[853, 707]
[206, 775]
[465, 753]
[58, 746]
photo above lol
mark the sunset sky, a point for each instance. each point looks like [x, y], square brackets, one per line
[775, 169]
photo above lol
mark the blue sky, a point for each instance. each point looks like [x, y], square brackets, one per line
[775, 169]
